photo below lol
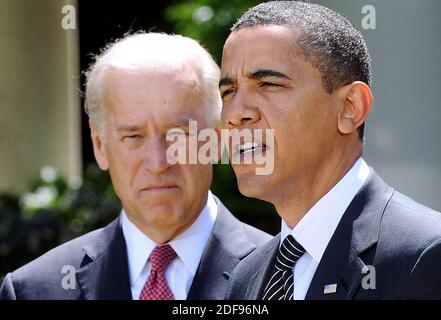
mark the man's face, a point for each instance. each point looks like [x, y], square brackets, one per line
[265, 84]
[140, 108]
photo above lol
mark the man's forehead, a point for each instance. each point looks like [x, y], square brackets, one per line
[283, 35]
[164, 100]
[261, 47]
[149, 84]
[178, 73]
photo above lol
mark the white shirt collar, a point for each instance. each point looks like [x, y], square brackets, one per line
[315, 229]
[189, 245]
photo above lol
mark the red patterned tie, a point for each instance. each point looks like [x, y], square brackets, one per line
[156, 287]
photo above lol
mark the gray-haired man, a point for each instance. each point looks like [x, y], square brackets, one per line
[173, 239]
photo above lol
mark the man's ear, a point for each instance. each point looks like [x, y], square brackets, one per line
[98, 148]
[357, 103]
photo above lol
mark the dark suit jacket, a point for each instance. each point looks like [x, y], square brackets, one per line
[100, 261]
[381, 228]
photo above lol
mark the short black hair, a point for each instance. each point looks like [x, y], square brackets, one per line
[327, 40]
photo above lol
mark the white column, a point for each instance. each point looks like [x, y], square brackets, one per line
[39, 100]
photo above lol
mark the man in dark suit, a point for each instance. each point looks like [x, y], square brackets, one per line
[173, 238]
[304, 71]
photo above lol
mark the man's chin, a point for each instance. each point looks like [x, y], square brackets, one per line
[162, 216]
[252, 186]
[164, 211]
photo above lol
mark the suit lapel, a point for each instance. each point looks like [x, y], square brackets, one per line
[341, 267]
[259, 280]
[213, 272]
[226, 246]
[346, 254]
[104, 275]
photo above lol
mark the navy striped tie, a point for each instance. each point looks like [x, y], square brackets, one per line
[281, 284]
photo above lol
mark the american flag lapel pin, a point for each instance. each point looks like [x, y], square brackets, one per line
[330, 288]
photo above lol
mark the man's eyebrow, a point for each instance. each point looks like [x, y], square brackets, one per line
[264, 73]
[255, 75]
[226, 81]
[182, 121]
[127, 128]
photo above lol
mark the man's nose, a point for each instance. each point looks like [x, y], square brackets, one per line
[155, 159]
[241, 111]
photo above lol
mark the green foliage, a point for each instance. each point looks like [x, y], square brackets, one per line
[52, 213]
[208, 21]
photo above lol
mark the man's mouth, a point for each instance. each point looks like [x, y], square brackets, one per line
[159, 188]
[250, 147]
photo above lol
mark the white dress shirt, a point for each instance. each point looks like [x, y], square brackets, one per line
[315, 229]
[189, 247]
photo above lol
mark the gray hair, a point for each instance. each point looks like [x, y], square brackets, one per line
[141, 50]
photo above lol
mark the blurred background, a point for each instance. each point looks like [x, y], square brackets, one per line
[50, 187]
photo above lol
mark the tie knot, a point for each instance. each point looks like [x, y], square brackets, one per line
[161, 257]
[289, 252]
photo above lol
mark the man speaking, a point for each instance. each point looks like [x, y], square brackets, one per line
[304, 71]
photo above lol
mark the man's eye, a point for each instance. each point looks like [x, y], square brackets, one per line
[270, 84]
[132, 137]
[227, 92]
